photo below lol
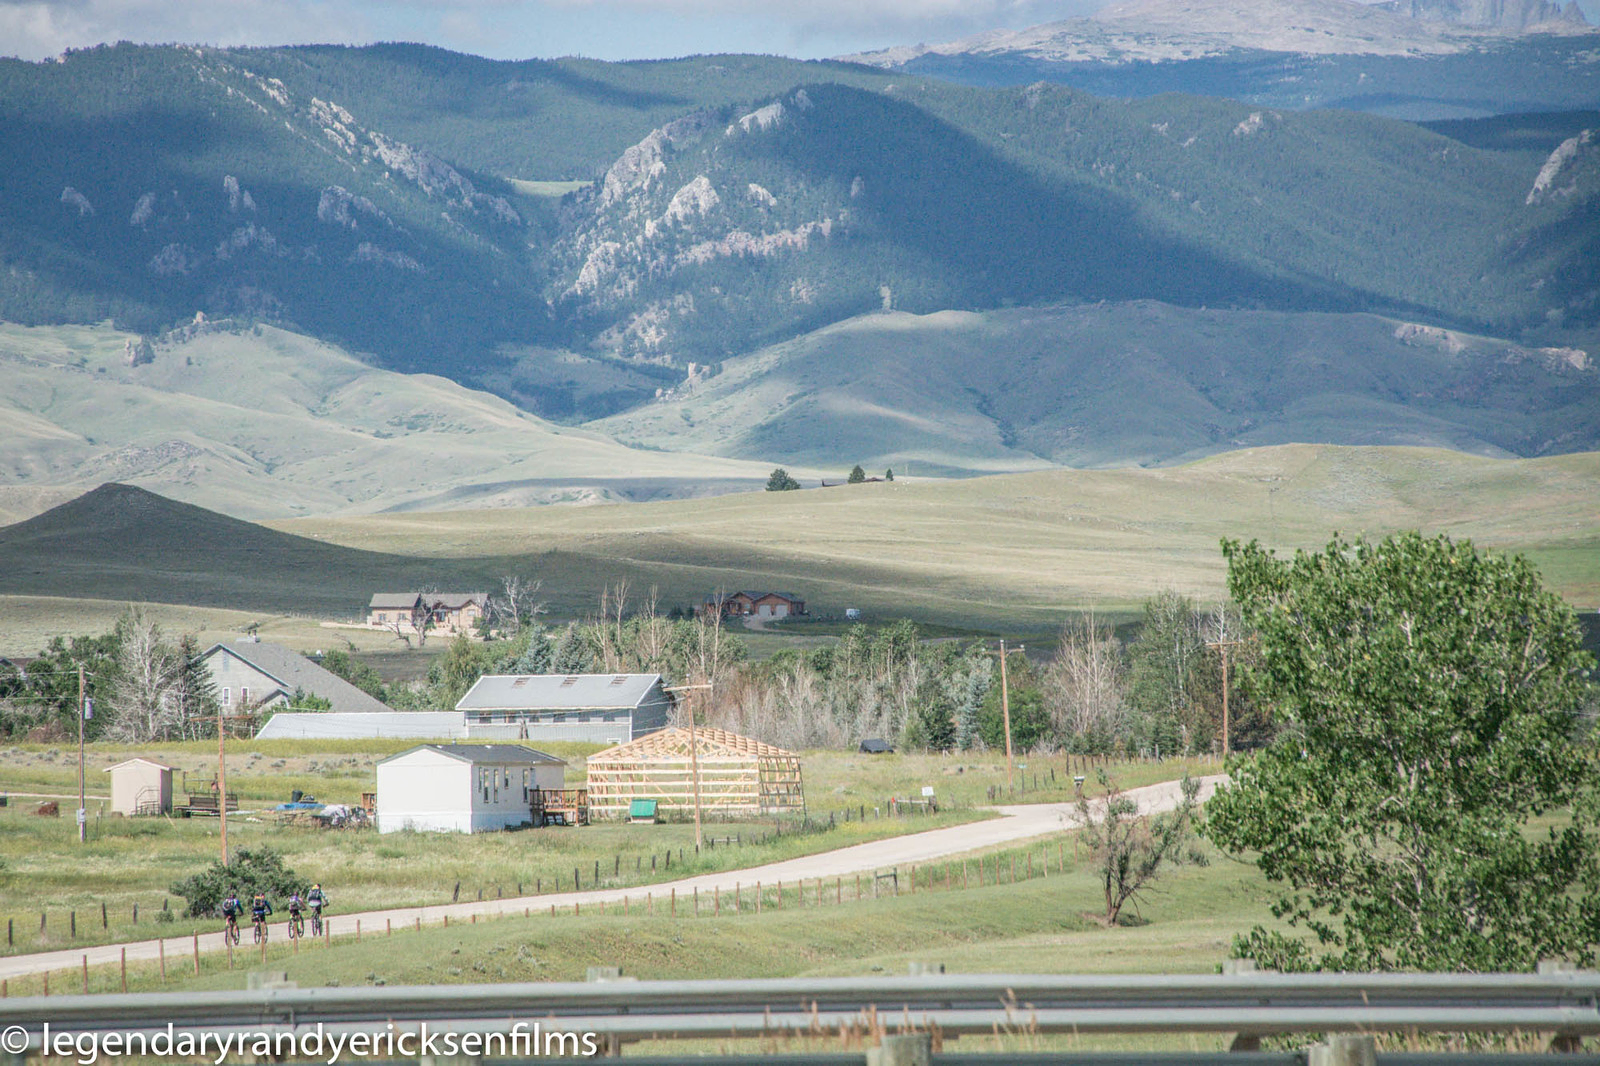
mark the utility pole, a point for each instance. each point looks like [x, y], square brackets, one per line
[694, 756]
[222, 780]
[1222, 646]
[1005, 713]
[83, 811]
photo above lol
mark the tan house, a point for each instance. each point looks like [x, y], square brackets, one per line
[441, 612]
[140, 786]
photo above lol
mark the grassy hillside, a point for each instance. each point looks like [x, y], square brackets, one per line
[1018, 552]
[262, 422]
[1021, 550]
[1116, 383]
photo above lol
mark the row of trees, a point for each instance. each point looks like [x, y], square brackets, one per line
[139, 685]
[1158, 687]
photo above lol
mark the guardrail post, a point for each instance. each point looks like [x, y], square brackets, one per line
[903, 1049]
[1344, 1049]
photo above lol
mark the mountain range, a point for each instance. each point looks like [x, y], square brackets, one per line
[763, 260]
[1414, 59]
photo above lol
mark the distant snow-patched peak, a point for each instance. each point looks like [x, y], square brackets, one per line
[1171, 30]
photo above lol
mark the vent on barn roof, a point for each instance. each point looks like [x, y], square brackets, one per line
[620, 679]
[570, 679]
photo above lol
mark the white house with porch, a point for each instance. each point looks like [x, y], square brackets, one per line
[463, 788]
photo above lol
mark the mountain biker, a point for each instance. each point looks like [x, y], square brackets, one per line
[260, 907]
[296, 905]
[316, 899]
[232, 910]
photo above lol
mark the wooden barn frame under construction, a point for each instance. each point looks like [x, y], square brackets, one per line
[737, 775]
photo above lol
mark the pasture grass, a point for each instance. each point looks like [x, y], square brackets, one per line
[1021, 552]
[130, 862]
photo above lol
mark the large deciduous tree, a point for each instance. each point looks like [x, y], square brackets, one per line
[1431, 800]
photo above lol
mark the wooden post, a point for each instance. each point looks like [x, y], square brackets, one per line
[758, 897]
[327, 932]
[83, 821]
[419, 923]
[222, 782]
[388, 925]
[674, 902]
[105, 923]
[125, 966]
[47, 982]
[1005, 712]
[197, 954]
[838, 890]
[86, 975]
[358, 930]
[161, 947]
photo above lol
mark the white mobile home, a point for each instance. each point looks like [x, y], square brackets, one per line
[463, 788]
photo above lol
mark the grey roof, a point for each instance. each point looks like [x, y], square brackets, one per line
[330, 725]
[514, 754]
[406, 600]
[557, 692]
[748, 594]
[294, 671]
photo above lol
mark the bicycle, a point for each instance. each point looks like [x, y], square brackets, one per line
[297, 926]
[260, 924]
[316, 921]
[230, 934]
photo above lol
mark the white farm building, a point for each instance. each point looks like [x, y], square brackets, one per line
[463, 788]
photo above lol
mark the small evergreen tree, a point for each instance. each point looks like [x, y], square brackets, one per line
[888, 475]
[251, 870]
[857, 475]
[780, 481]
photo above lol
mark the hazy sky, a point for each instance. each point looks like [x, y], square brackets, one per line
[520, 29]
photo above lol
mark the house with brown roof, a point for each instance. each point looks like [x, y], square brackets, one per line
[766, 606]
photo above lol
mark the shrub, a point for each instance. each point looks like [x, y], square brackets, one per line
[252, 870]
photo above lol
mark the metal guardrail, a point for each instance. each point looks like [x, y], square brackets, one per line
[1567, 1004]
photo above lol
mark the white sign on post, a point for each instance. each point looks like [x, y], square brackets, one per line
[83, 816]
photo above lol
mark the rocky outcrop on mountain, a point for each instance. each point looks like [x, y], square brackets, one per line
[681, 199]
[1544, 184]
[1513, 15]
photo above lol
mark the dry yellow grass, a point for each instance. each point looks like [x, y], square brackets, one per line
[1023, 548]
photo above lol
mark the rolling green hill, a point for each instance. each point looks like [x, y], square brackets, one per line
[1016, 552]
[259, 422]
[1105, 385]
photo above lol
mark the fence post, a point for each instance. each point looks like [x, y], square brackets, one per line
[105, 922]
[196, 954]
[86, 975]
[1344, 1049]
[161, 948]
[125, 966]
[903, 1049]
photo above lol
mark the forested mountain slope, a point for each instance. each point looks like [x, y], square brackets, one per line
[378, 198]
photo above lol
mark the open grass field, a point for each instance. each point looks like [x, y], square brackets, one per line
[1045, 923]
[134, 861]
[1020, 551]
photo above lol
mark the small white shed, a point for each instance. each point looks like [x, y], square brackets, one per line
[140, 786]
[463, 788]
